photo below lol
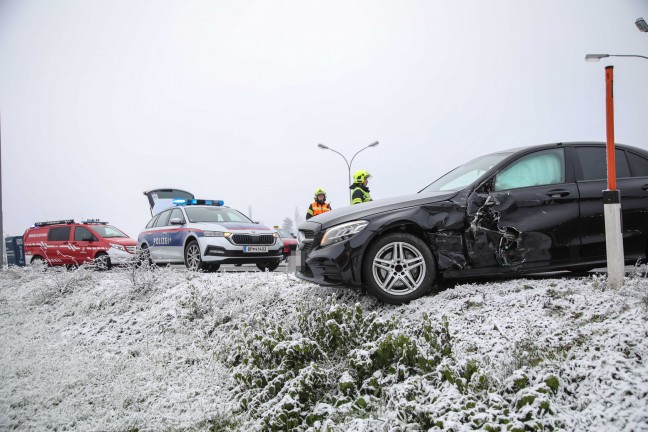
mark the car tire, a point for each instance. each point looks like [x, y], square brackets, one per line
[192, 257]
[268, 265]
[102, 261]
[38, 261]
[398, 268]
[211, 268]
[144, 256]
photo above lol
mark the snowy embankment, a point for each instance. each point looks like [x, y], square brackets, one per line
[172, 350]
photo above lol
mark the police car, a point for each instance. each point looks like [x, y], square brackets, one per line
[203, 234]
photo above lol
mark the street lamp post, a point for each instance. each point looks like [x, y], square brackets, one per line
[612, 196]
[323, 147]
[597, 57]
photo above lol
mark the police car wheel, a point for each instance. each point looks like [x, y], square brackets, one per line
[144, 256]
[268, 265]
[102, 261]
[193, 260]
[212, 268]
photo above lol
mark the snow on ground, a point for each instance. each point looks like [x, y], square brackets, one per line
[140, 349]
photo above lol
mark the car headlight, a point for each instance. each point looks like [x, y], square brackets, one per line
[342, 232]
[217, 234]
[118, 247]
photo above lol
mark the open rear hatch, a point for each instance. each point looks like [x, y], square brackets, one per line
[162, 199]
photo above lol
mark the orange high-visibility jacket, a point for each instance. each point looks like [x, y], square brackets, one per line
[316, 208]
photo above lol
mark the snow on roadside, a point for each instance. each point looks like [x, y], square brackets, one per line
[127, 349]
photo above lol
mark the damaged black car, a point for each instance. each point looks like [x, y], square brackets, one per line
[514, 212]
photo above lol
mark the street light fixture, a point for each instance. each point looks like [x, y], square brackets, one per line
[324, 147]
[641, 25]
[597, 57]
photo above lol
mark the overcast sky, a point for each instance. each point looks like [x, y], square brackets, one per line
[101, 100]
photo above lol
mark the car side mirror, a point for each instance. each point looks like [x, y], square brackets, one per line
[175, 221]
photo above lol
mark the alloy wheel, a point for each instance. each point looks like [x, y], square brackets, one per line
[399, 268]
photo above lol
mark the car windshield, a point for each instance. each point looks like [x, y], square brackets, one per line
[465, 174]
[108, 231]
[285, 233]
[215, 214]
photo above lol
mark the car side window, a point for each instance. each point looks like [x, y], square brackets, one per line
[163, 220]
[593, 163]
[638, 164]
[83, 234]
[59, 234]
[151, 223]
[536, 169]
[177, 213]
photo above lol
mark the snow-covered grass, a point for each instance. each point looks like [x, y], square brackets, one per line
[168, 349]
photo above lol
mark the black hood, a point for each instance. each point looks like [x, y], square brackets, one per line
[359, 211]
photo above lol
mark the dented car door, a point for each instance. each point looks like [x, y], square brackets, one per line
[526, 215]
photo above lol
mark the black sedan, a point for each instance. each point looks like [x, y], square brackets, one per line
[515, 212]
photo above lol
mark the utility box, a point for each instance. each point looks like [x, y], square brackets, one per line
[15, 251]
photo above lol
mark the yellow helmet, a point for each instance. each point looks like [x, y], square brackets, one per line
[320, 191]
[360, 176]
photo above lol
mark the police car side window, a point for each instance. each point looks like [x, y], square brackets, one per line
[163, 220]
[59, 234]
[152, 221]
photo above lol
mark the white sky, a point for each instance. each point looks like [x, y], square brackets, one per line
[101, 100]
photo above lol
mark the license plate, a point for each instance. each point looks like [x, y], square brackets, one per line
[252, 249]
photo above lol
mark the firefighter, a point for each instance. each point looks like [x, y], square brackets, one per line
[359, 187]
[319, 206]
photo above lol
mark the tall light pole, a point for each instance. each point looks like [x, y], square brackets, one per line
[597, 57]
[612, 196]
[323, 147]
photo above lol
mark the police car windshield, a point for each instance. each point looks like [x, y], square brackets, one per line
[215, 214]
[108, 231]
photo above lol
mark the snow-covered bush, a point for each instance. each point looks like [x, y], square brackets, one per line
[335, 363]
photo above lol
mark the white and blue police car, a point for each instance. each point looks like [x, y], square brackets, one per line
[203, 234]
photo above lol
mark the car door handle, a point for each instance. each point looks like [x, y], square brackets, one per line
[644, 187]
[558, 193]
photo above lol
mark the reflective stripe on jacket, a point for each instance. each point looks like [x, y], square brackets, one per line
[316, 208]
[360, 194]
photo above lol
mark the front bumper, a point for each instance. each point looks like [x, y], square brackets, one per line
[336, 264]
[118, 257]
[218, 250]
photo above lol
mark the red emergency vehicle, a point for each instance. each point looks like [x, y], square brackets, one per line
[66, 242]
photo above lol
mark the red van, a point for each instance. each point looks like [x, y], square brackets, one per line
[66, 242]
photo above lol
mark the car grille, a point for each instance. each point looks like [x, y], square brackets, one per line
[247, 239]
[131, 249]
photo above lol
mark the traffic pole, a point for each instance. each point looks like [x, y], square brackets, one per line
[611, 196]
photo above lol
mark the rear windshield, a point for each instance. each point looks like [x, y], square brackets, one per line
[215, 214]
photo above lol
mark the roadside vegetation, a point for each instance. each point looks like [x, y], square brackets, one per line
[167, 349]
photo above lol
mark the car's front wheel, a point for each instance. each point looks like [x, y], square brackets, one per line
[398, 268]
[268, 265]
[193, 260]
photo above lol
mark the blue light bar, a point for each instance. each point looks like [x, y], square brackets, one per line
[181, 202]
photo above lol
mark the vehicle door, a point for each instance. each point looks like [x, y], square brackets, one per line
[85, 242]
[176, 233]
[526, 215]
[159, 239]
[632, 182]
[59, 250]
